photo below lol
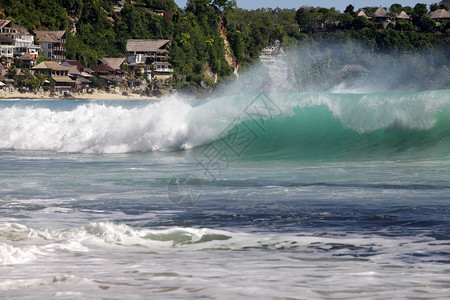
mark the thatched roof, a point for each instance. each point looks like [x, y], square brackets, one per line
[50, 65]
[380, 13]
[439, 14]
[362, 14]
[47, 36]
[403, 16]
[113, 62]
[147, 45]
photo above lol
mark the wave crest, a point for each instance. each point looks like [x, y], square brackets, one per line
[175, 124]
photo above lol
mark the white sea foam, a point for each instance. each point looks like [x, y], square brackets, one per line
[98, 128]
[17, 255]
[200, 262]
[113, 235]
[175, 124]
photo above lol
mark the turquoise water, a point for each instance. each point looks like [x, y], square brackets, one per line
[308, 196]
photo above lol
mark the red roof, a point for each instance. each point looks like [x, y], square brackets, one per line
[102, 68]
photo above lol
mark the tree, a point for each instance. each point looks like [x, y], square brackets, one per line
[40, 58]
[434, 7]
[350, 9]
[360, 23]
[396, 8]
[308, 19]
[12, 72]
[237, 45]
[420, 19]
[420, 10]
[224, 5]
[409, 10]
[197, 6]
[345, 20]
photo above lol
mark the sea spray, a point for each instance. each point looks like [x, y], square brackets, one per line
[176, 124]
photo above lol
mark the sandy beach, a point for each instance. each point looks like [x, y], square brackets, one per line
[97, 95]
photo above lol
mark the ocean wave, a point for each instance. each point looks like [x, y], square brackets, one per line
[120, 237]
[308, 119]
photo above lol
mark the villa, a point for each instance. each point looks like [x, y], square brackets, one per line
[150, 56]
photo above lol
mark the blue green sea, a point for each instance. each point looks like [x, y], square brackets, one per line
[282, 195]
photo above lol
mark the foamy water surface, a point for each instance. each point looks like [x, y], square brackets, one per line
[113, 200]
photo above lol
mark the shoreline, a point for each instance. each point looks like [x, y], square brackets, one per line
[98, 95]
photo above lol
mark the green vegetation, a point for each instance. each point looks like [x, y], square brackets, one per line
[100, 28]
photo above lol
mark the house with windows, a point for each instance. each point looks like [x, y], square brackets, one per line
[52, 44]
[6, 46]
[103, 70]
[16, 40]
[380, 15]
[79, 73]
[60, 74]
[150, 57]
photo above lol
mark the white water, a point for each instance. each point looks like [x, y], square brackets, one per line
[103, 259]
[176, 124]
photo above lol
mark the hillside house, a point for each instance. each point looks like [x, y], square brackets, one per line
[17, 39]
[6, 46]
[362, 14]
[79, 73]
[52, 44]
[60, 74]
[150, 56]
[113, 62]
[103, 70]
[403, 16]
[439, 14]
[380, 15]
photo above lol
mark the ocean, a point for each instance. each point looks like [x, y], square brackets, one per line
[315, 195]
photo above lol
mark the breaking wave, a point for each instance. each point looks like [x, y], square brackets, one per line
[281, 124]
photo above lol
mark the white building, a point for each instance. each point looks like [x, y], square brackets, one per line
[52, 44]
[151, 56]
[22, 41]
